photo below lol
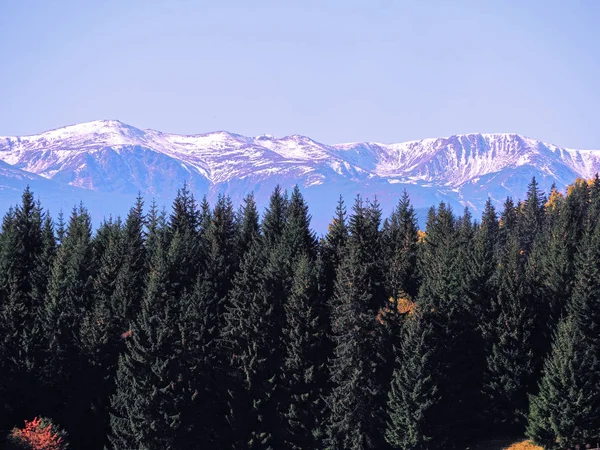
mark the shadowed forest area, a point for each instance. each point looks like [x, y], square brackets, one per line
[208, 326]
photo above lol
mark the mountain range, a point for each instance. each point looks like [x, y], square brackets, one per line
[105, 164]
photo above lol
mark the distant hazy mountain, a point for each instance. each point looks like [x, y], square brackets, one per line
[106, 163]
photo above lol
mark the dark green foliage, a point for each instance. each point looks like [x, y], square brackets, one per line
[70, 297]
[152, 387]
[356, 403]
[566, 411]
[304, 372]
[400, 235]
[354, 421]
[531, 216]
[26, 251]
[275, 217]
[205, 328]
[455, 340]
[248, 224]
[413, 394]
[251, 337]
[511, 360]
[333, 245]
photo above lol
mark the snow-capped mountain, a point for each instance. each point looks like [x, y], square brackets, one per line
[106, 163]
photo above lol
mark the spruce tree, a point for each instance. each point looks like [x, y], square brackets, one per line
[304, 370]
[354, 422]
[250, 336]
[414, 395]
[22, 255]
[511, 362]
[400, 238]
[204, 315]
[248, 224]
[70, 295]
[334, 244]
[152, 387]
[454, 334]
[356, 418]
[274, 218]
[531, 216]
[566, 411]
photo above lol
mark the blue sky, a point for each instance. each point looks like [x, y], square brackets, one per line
[337, 71]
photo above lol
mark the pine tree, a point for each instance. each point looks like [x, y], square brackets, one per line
[186, 246]
[297, 236]
[99, 339]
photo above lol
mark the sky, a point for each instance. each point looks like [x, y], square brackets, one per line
[335, 70]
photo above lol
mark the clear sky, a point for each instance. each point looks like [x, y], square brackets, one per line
[334, 70]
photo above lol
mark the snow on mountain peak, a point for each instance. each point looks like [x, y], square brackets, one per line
[111, 156]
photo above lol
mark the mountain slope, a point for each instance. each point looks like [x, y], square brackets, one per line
[110, 158]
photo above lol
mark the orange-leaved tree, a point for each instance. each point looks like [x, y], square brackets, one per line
[37, 434]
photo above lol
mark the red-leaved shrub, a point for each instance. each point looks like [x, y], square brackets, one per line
[37, 434]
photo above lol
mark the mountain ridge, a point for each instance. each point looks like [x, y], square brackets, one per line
[109, 157]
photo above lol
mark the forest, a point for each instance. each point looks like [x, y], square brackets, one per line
[211, 326]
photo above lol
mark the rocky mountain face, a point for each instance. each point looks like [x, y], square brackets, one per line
[106, 163]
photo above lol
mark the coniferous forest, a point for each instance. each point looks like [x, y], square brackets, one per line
[212, 327]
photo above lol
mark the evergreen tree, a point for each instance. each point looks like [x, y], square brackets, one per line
[204, 314]
[152, 394]
[531, 216]
[22, 249]
[400, 238]
[250, 337]
[566, 411]
[249, 227]
[454, 336]
[70, 295]
[413, 394]
[186, 246]
[99, 336]
[304, 371]
[334, 244]
[511, 364]
[356, 418]
[297, 236]
[275, 218]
